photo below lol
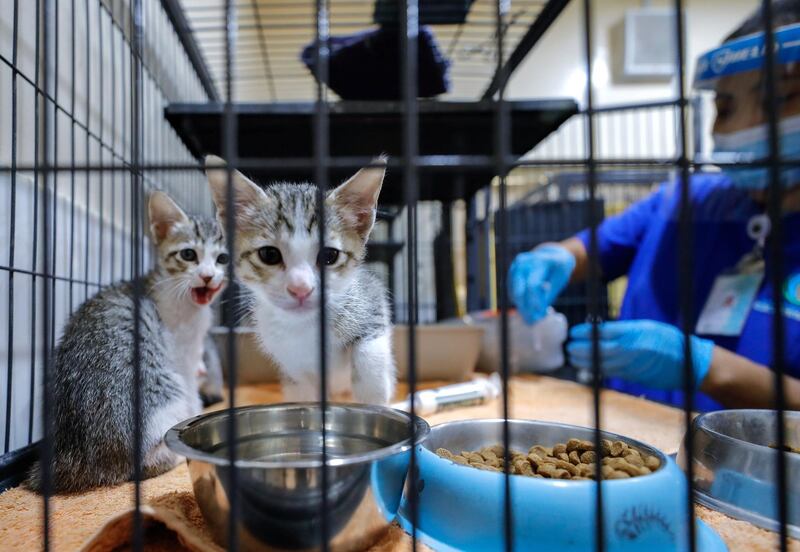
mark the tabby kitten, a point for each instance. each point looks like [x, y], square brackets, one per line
[93, 366]
[278, 259]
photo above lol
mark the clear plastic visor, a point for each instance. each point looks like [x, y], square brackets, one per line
[731, 101]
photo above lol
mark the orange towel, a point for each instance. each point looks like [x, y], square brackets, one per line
[101, 520]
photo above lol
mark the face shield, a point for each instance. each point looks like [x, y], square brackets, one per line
[731, 108]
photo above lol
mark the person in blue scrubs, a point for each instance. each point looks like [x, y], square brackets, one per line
[732, 297]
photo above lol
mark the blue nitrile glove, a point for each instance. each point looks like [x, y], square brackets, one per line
[537, 277]
[641, 351]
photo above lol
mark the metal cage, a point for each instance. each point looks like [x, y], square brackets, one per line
[96, 103]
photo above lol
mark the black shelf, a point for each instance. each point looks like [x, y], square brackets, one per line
[278, 131]
[383, 251]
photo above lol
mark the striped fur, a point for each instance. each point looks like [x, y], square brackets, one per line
[284, 216]
[93, 365]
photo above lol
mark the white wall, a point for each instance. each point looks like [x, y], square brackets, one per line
[556, 68]
[90, 80]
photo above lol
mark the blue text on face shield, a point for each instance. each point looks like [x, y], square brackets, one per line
[752, 144]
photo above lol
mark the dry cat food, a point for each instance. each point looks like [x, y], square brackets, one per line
[574, 459]
[786, 448]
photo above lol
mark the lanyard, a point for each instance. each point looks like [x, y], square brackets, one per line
[728, 304]
[758, 228]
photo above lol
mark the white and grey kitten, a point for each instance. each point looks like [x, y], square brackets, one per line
[93, 369]
[278, 259]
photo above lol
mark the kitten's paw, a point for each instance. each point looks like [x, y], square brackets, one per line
[379, 394]
[160, 460]
[374, 376]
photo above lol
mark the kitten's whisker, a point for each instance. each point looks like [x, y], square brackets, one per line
[172, 289]
[163, 281]
[173, 281]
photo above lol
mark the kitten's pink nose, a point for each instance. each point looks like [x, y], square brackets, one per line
[300, 291]
[206, 279]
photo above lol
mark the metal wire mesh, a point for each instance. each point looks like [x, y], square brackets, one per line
[88, 82]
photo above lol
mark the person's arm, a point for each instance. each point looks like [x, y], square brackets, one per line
[738, 382]
[651, 353]
[619, 237]
[578, 250]
[536, 277]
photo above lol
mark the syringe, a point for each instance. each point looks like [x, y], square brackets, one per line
[457, 395]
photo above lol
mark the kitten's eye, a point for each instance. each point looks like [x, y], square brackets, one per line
[223, 259]
[328, 256]
[270, 255]
[188, 255]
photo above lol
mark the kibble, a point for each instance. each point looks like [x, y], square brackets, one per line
[473, 457]
[540, 450]
[574, 460]
[634, 459]
[652, 462]
[786, 448]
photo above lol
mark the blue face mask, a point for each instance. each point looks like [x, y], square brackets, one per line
[752, 144]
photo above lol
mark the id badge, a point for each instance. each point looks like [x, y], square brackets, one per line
[729, 302]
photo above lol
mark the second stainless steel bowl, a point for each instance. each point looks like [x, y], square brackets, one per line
[735, 465]
[278, 451]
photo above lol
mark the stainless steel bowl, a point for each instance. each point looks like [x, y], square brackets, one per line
[279, 490]
[735, 466]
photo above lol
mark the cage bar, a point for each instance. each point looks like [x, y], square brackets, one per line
[321, 162]
[502, 147]
[231, 152]
[47, 402]
[136, 252]
[12, 228]
[775, 266]
[685, 286]
[103, 152]
[409, 43]
[594, 274]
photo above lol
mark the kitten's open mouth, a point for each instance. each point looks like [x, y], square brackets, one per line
[204, 295]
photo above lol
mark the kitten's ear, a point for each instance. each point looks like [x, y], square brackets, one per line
[164, 214]
[248, 198]
[357, 198]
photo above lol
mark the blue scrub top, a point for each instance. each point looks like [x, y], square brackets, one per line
[642, 242]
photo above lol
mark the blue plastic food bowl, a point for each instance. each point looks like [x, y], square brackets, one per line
[462, 508]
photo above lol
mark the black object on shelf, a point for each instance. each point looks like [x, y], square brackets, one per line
[431, 12]
[279, 131]
[366, 65]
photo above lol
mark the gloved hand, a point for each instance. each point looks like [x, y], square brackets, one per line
[641, 351]
[537, 277]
